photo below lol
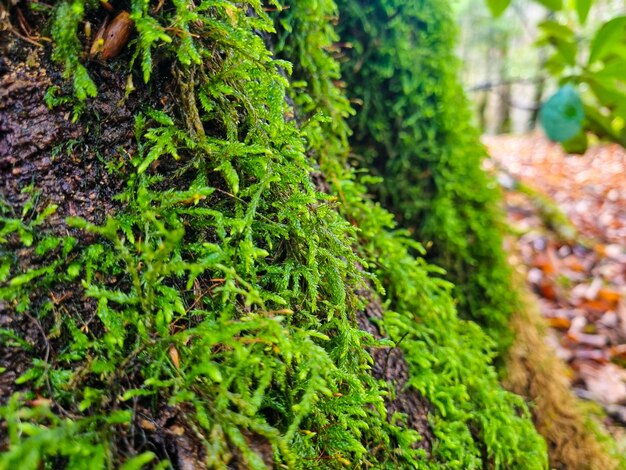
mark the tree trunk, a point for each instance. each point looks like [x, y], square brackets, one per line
[538, 93]
[68, 164]
[503, 118]
[62, 161]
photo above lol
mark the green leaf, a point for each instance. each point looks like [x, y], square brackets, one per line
[136, 392]
[563, 39]
[567, 51]
[555, 29]
[602, 126]
[73, 270]
[138, 462]
[30, 374]
[607, 38]
[612, 69]
[90, 396]
[29, 276]
[26, 236]
[582, 8]
[578, 144]
[119, 417]
[160, 117]
[47, 244]
[5, 269]
[47, 212]
[497, 7]
[563, 114]
[84, 86]
[117, 296]
[607, 93]
[553, 5]
[230, 175]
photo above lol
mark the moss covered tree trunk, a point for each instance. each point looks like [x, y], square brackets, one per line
[47, 162]
[49, 158]
[191, 272]
[413, 127]
[57, 161]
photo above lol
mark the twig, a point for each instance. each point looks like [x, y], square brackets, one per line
[46, 358]
[512, 81]
[397, 345]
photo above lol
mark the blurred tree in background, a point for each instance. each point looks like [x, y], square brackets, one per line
[501, 68]
[579, 46]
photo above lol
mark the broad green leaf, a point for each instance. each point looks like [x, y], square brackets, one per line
[582, 8]
[553, 5]
[601, 125]
[612, 69]
[609, 92]
[563, 114]
[497, 7]
[610, 35]
[554, 28]
[578, 144]
[562, 38]
[606, 94]
[566, 50]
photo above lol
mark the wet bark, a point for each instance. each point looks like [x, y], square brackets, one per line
[63, 162]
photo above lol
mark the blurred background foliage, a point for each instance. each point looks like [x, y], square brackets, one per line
[557, 62]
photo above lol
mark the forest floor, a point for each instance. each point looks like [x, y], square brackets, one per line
[568, 217]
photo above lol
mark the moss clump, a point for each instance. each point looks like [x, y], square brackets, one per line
[474, 420]
[413, 128]
[217, 308]
[234, 295]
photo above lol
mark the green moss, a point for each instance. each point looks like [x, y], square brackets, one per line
[67, 51]
[476, 423]
[413, 127]
[226, 289]
[236, 263]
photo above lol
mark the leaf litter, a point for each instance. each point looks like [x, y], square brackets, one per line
[568, 216]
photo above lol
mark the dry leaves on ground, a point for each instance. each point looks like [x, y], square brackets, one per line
[580, 280]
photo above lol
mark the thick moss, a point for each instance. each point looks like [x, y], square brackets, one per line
[213, 315]
[413, 127]
[469, 406]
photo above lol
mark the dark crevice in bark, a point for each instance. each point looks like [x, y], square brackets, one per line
[391, 366]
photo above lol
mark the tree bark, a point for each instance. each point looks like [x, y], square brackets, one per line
[391, 366]
[66, 162]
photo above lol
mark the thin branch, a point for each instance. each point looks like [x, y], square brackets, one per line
[513, 81]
